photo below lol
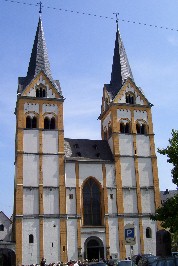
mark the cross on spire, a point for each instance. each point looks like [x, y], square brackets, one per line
[40, 4]
[117, 18]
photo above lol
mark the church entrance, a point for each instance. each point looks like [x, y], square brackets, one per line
[7, 257]
[94, 249]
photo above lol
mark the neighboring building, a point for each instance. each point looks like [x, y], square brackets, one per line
[73, 197]
[167, 194]
[5, 227]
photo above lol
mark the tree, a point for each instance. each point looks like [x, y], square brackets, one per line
[167, 214]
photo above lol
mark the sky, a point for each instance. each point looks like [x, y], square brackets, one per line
[80, 49]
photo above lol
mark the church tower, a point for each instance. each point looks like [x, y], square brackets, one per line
[126, 123]
[39, 161]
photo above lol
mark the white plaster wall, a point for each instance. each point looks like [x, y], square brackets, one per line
[110, 142]
[30, 251]
[30, 141]
[51, 241]
[145, 171]
[130, 201]
[94, 170]
[122, 99]
[147, 200]
[110, 175]
[70, 178]
[30, 201]
[106, 121]
[126, 144]
[71, 203]
[122, 114]
[50, 141]
[31, 107]
[72, 239]
[112, 206]
[6, 234]
[50, 170]
[30, 170]
[136, 247]
[51, 200]
[113, 235]
[50, 93]
[32, 91]
[138, 114]
[128, 171]
[143, 145]
[139, 100]
[149, 243]
[50, 108]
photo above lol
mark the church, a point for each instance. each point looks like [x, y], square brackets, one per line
[74, 198]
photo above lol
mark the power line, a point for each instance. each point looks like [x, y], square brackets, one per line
[93, 15]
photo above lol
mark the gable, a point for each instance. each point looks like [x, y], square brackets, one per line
[130, 93]
[42, 86]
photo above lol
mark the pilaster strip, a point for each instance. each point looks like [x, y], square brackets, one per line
[138, 191]
[78, 204]
[19, 180]
[154, 165]
[105, 207]
[40, 157]
[119, 192]
[18, 230]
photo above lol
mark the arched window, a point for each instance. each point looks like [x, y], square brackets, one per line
[148, 232]
[31, 122]
[49, 123]
[46, 123]
[37, 93]
[34, 122]
[52, 124]
[31, 239]
[130, 98]
[91, 203]
[109, 130]
[141, 128]
[28, 122]
[124, 128]
[1, 227]
[41, 92]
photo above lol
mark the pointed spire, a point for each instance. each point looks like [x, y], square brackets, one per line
[39, 56]
[120, 69]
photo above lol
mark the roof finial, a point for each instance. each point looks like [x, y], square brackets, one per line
[40, 3]
[117, 19]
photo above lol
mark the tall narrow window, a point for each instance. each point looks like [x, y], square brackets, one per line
[34, 122]
[41, 92]
[52, 124]
[91, 203]
[141, 129]
[46, 123]
[31, 239]
[124, 128]
[109, 130]
[37, 93]
[28, 122]
[148, 232]
[1, 227]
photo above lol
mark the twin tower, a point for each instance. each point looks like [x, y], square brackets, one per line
[75, 197]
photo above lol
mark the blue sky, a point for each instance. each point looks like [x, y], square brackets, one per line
[80, 49]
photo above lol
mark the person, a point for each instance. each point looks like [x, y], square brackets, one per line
[137, 259]
[43, 262]
[111, 261]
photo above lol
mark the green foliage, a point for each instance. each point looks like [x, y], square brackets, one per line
[172, 153]
[167, 214]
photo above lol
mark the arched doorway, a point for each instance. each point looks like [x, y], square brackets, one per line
[7, 257]
[94, 248]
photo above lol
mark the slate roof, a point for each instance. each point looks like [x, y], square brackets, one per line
[87, 150]
[167, 194]
[38, 60]
[121, 70]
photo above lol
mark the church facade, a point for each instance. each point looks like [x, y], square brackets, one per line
[74, 197]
